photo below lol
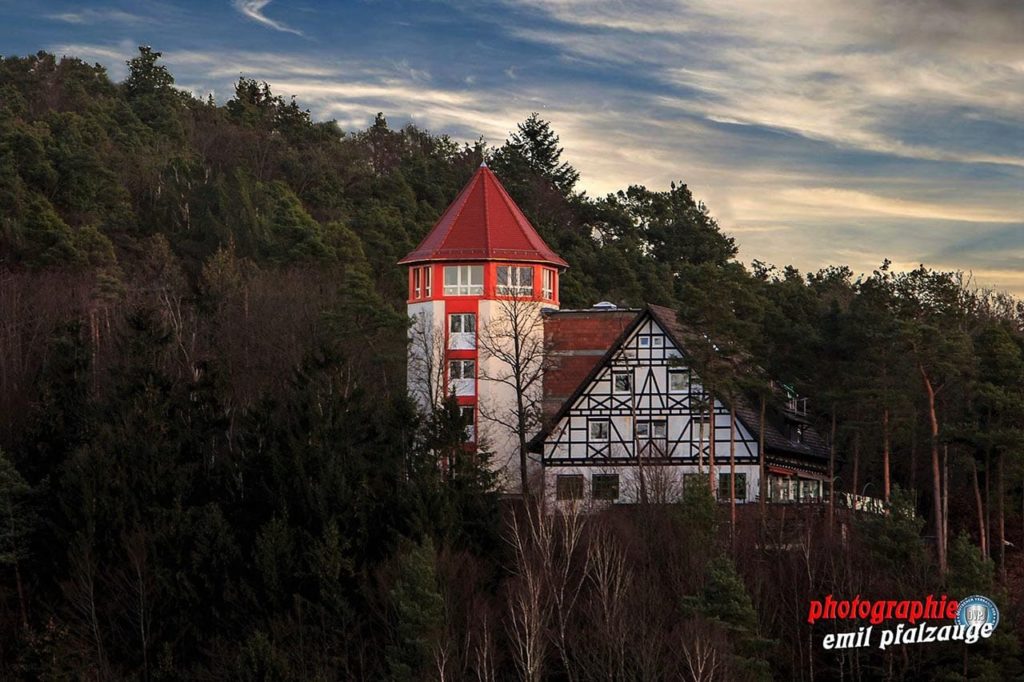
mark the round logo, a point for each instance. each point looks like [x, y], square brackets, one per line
[977, 610]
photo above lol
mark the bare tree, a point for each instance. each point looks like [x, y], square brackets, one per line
[513, 354]
[427, 354]
[529, 609]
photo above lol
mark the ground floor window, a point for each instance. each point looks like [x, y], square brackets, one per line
[693, 482]
[569, 487]
[723, 486]
[605, 486]
[793, 489]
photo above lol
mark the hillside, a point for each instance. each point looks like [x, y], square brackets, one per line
[209, 467]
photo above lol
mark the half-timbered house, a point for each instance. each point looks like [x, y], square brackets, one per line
[638, 421]
[625, 416]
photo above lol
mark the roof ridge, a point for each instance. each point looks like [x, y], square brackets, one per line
[464, 195]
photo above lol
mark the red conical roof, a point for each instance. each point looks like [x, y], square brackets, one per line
[483, 223]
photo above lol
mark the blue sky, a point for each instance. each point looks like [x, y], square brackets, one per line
[817, 131]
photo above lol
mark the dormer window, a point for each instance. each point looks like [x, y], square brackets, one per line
[796, 433]
[515, 280]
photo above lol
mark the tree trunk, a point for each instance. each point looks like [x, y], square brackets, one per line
[712, 483]
[832, 474]
[856, 463]
[763, 482]
[1000, 496]
[945, 499]
[885, 455]
[913, 456]
[524, 475]
[988, 501]
[940, 542]
[732, 467]
[980, 506]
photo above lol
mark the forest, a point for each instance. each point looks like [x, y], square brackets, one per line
[210, 468]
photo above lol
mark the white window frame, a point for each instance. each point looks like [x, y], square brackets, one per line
[548, 284]
[459, 339]
[599, 423]
[645, 342]
[461, 364]
[470, 422]
[461, 318]
[469, 280]
[686, 380]
[426, 282]
[514, 274]
[629, 377]
[647, 429]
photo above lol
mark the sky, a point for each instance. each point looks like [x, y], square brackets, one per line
[817, 131]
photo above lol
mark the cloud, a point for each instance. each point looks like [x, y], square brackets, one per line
[254, 10]
[97, 16]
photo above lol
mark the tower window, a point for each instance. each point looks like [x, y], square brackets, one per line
[463, 280]
[548, 288]
[515, 281]
[426, 282]
[417, 289]
[468, 415]
[462, 369]
[462, 323]
[462, 331]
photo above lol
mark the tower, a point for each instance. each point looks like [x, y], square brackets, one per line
[477, 281]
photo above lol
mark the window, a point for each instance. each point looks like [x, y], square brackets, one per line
[515, 281]
[723, 487]
[693, 482]
[622, 382]
[462, 331]
[459, 323]
[652, 430]
[796, 433]
[426, 282]
[462, 369]
[645, 342]
[810, 491]
[605, 486]
[678, 381]
[468, 415]
[659, 341]
[417, 290]
[463, 280]
[569, 487]
[548, 288]
[599, 429]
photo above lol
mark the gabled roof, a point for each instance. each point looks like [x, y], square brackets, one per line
[814, 445]
[483, 223]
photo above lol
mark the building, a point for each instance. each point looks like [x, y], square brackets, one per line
[478, 284]
[622, 415]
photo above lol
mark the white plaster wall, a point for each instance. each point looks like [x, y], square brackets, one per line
[663, 483]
